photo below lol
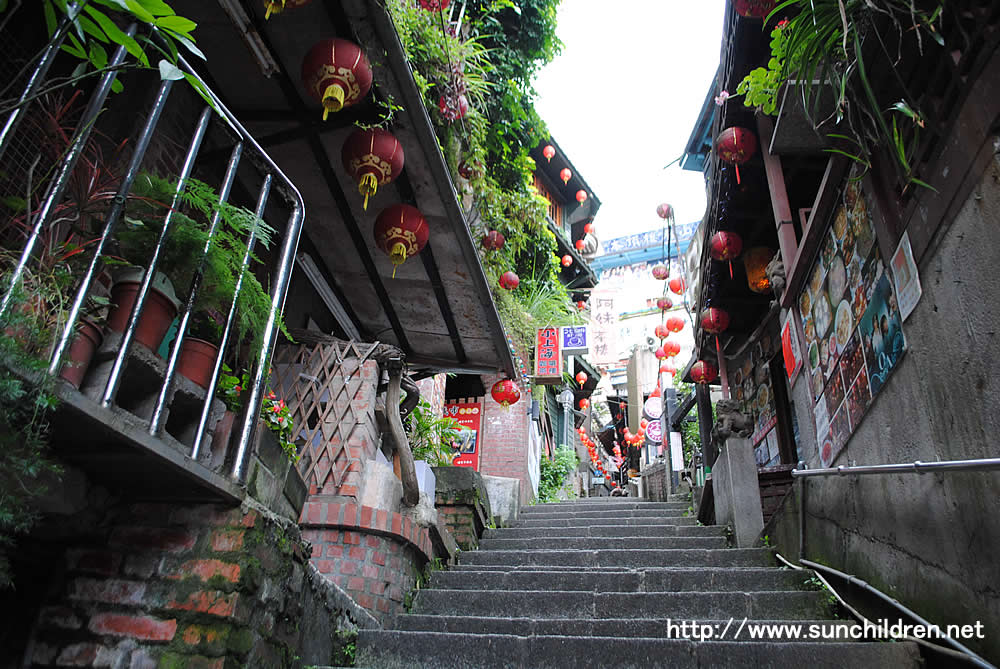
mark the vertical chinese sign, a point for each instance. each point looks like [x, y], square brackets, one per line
[468, 416]
[604, 322]
[548, 360]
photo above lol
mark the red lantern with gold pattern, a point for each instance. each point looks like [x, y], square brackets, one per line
[336, 72]
[660, 272]
[493, 241]
[549, 152]
[714, 320]
[677, 285]
[278, 6]
[581, 377]
[661, 331]
[675, 323]
[567, 260]
[754, 9]
[736, 146]
[660, 353]
[665, 211]
[401, 231]
[505, 393]
[565, 174]
[373, 158]
[725, 246]
[509, 281]
[671, 348]
[664, 303]
[703, 372]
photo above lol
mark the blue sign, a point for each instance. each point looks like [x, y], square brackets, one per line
[645, 240]
[575, 339]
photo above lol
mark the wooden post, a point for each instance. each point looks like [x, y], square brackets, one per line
[779, 194]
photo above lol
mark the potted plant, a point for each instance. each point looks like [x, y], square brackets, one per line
[273, 412]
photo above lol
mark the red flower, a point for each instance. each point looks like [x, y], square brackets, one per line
[237, 388]
[782, 23]
[271, 395]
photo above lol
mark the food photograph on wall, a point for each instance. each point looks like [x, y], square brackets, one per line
[752, 389]
[851, 324]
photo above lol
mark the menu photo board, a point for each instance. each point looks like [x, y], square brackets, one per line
[751, 385]
[468, 415]
[851, 323]
[548, 359]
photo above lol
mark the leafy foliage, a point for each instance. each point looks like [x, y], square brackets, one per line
[554, 473]
[273, 410]
[431, 436]
[761, 86]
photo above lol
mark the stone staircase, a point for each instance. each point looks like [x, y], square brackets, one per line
[609, 582]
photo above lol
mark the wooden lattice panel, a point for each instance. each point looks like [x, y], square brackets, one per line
[330, 391]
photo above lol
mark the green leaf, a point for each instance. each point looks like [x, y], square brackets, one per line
[169, 71]
[189, 45]
[117, 86]
[50, 17]
[139, 11]
[156, 7]
[176, 23]
[3, 6]
[98, 56]
[92, 29]
[116, 35]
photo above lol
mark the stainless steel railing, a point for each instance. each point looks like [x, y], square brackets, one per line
[918, 467]
[272, 180]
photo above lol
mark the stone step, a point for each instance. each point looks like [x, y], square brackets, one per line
[786, 604]
[645, 580]
[615, 507]
[666, 628]
[588, 514]
[601, 543]
[393, 649]
[664, 557]
[605, 521]
[607, 531]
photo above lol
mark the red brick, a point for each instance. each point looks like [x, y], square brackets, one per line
[369, 571]
[378, 557]
[60, 616]
[105, 563]
[208, 601]
[334, 551]
[397, 523]
[383, 605]
[152, 538]
[324, 566]
[372, 541]
[382, 519]
[366, 602]
[356, 583]
[78, 655]
[137, 627]
[352, 538]
[312, 512]
[377, 587]
[357, 553]
[317, 550]
[225, 541]
[349, 490]
[348, 568]
[366, 516]
[206, 569]
[112, 591]
[333, 513]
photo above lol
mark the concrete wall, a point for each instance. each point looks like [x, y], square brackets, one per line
[505, 439]
[930, 540]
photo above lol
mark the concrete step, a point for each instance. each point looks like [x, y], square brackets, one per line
[605, 520]
[786, 604]
[392, 649]
[691, 557]
[601, 543]
[591, 514]
[643, 580]
[616, 507]
[666, 628]
[607, 531]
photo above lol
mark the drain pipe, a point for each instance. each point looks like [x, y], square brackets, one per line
[802, 513]
[958, 651]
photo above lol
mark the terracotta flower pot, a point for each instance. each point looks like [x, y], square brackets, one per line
[220, 437]
[197, 359]
[157, 315]
[81, 351]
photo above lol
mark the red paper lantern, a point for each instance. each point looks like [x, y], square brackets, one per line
[505, 393]
[401, 231]
[549, 151]
[581, 305]
[565, 174]
[588, 228]
[336, 72]
[703, 372]
[664, 303]
[660, 272]
[581, 196]
[643, 424]
[665, 211]
[493, 241]
[373, 158]
[736, 146]
[675, 323]
[584, 403]
[677, 285]
[714, 320]
[667, 368]
[661, 331]
[453, 108]
[671, 348]
[509, 281]
[660, 353]
[579, 244]
[754, 9]
[581, 377]
[567, 260]
[656, 392]
[434, 5]
[725, 246]
[278, 6]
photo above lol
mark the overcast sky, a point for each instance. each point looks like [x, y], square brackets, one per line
[623, 97]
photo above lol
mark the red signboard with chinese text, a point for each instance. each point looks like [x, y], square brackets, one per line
[548, 361]
[468, 417]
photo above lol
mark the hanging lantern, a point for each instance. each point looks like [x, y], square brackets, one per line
[736, 146]
[581, 305]
[664, 303]
[725, 245]
[581, 377]
[643, 424]
[567, 260]
[401, 231]
[660, 272]
[493, 241]
[565, 174]
[336, 72]
[373, 158]
[549, 152]
[755, 260]
[675, 323]
[714, 320]
[671, 348]
[656, 392]
[677, 285]
[703, 372]
[580, 244]
[584, 404]
[505, 393]
[754, 9]
[509, 281]
[581, 196]
[661, 331]
[453, 108]
[588, 228]
[665, 211]
[278, 6]
[667, 368]
[660, 353]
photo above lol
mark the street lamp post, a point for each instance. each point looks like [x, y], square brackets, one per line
[566, 398]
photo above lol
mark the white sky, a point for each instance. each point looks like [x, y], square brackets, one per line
[623, 97]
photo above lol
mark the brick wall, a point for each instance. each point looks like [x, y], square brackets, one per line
[432, 390]
[464, 521]
[505, 439]
[191, 586]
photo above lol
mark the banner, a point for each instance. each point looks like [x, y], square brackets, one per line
[548, 361]
[468, 416]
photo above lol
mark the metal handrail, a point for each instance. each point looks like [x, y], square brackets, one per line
[918, 467]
